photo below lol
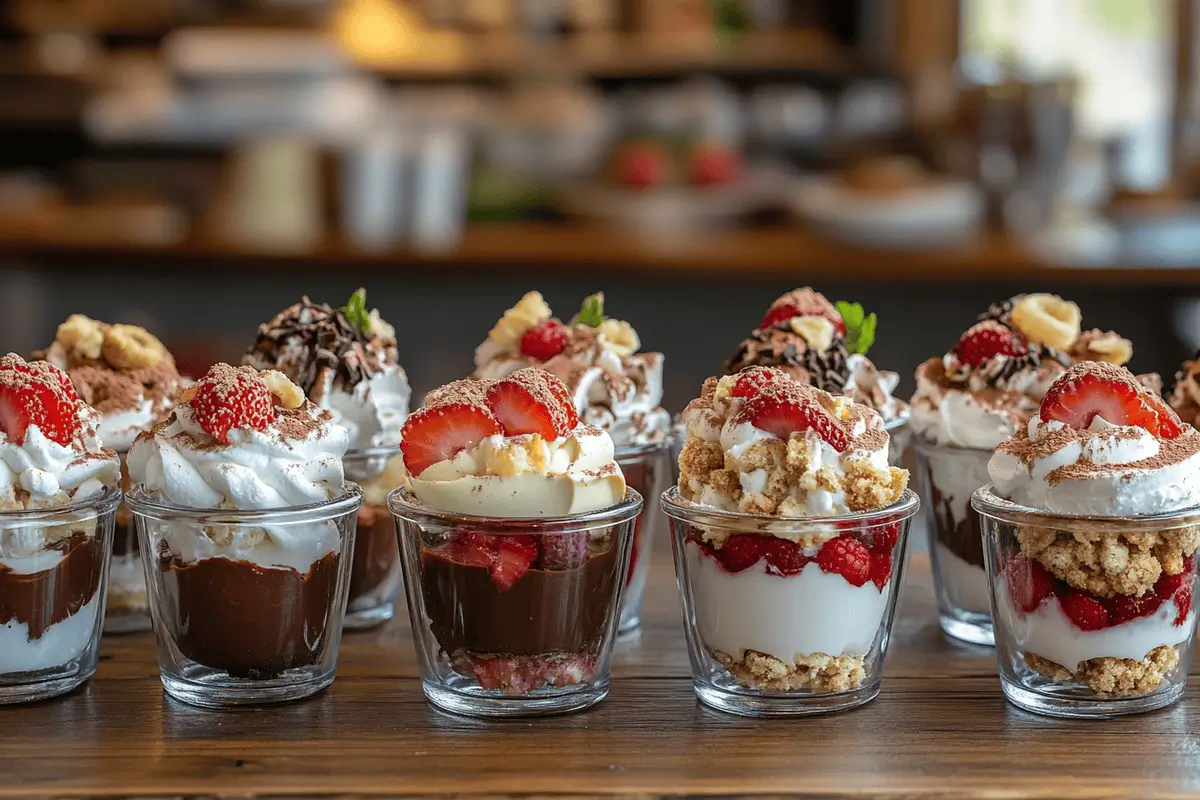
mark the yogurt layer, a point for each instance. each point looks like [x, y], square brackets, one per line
[58, 645]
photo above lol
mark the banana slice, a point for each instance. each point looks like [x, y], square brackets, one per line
[1110, 348]
[1047, 319]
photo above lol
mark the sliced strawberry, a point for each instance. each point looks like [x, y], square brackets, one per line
[988, 339]
[1085, 612]
[783, 413]
[1178, 588]
[567, 403]
[642, 165]
[784, 558]
[802, 303]
[524, 402]
[881, 566]
[439, 432]
[1170, 426]
[1124, 608]
[36, 393]
[740, 551]
[848, 557]
[514, 556]
[545, 340]
[561, 551]
[750, 382]
[1088, 390]
[232, 398]
[1028, 583]
[471, 549]
[713, 165]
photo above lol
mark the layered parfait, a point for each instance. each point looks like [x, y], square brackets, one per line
[789, 527]
[1093, 573]
[126, 374]
[513, 554]
[249, 571]
[345, 360]
[823, 345]
[612, 384]
[983, 391]
[58, 498]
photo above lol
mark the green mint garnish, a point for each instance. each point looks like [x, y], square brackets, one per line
[592, 313]
[356, 311]
[860, 327]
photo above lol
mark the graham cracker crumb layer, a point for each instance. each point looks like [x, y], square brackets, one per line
[1113, 677]
[817, 672]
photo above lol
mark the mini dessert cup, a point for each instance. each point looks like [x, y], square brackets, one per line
[52, 587]
[127, 609]
[770, 631]
[1068, 652]
[647, 470]
[232, 631]
[375, 571]
[494, 641]
[946, 478]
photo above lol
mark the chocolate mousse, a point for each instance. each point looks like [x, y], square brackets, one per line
[42, 599]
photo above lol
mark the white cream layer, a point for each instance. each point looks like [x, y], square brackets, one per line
[118, 429]
[813, 612]
[295, 547]
[1114, 489]
[374, 411]
[58, 644]
[964, 583]
[1048, 632]
[526, 476]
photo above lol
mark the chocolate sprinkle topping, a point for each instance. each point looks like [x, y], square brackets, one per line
[780, 346]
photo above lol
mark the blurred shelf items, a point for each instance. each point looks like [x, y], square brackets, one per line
[972, 136]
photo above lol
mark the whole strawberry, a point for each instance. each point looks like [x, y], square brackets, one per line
[232, 398]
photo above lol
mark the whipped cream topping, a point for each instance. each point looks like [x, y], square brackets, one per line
[296, 460]
[614, 387]
[1105, 470]
[729, 463]
[526, 476]
[347, 366]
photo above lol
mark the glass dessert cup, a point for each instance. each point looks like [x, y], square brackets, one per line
[946, 477]
[231, 631]
[127, 609]
[52, 591]
[1067, 652]
[647, 470]
[539, 642]
[375, 570]
[775, 634]
[900, 435]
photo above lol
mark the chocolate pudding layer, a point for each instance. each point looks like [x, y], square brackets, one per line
[42, 599]
[963, 536]
[376, 557]
[250, 621]
[544, 612]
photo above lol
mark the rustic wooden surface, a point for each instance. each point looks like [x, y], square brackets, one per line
[940, 728]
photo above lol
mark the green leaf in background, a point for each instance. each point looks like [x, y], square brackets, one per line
[592, 313]
[730, 16]
[860, 327]
[356, 311]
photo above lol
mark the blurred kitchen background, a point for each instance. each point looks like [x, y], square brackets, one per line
[196, 165]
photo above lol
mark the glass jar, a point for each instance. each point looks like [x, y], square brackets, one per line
[1093, 614]
[247, 606]
[514, 617]
[53, 576]
[646, 470]
[375, 572]
[773, 627]
[127, 609]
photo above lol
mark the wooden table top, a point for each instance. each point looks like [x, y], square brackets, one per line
[940, 728]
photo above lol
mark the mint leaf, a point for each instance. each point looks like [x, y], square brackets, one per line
[860, 327]
[592, 312]
[356, 311]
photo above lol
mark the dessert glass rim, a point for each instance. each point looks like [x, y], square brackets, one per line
[139, 501]
[634, 449]
[101, 504]
[698, 514]
[402, 503]
[898, 421]
[985, 501]
[383, 451]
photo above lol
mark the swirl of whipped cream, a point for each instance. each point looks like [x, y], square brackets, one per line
[1106, 470]
[118, 429]
[273, 468]
[526, 476]
[373, 411]
[51, 473]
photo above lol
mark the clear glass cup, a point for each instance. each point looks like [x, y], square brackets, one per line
[769, 631]
[247, 606]
[128, 608]
[678, 437]
[1093, 614]
[647, 470]
[946, 477]
[900, 435]
[514, 617]
[375, 572]
[53, 576]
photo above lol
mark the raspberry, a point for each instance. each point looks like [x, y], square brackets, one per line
[545, 340]
[1028, 583]
[740, 551]
[848, 557]
[986, 340]
[561, 551]
[881, 566]
[232, 398]
[1086, 612]
[885, 536]
[783, 558]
